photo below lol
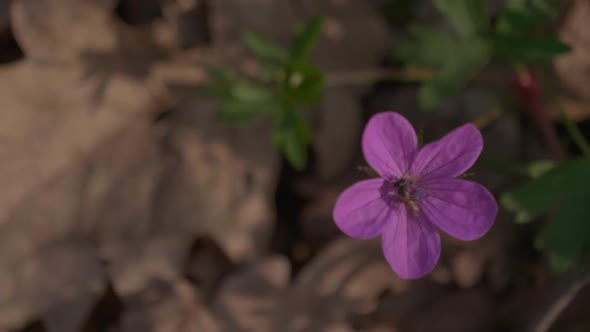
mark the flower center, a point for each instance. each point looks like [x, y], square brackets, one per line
[403, 190]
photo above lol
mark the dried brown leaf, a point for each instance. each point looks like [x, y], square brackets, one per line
[345, 280]
[167, 307]
[56, 151]
[73, 170]
[44, 280]
[572, 68]
[223, 182]
[97, 171]
[58, 30]
[71, 315]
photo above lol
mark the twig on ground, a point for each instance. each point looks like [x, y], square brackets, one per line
[564, 293]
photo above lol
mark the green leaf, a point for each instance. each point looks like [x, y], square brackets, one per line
[247, 102]
[548, 191]
[563, 190]
[530, 49]
[516, 40]
[568, 232]
[305, 38]
[447, 83]
[428, 47]
[521, 17]
[244, 91]
[305, 84]
[545, 6]
[221, 82]
[291, 137]
[221, 75]
[560, 263]
[518, 22]
[243, 113]
[266, 50]
[468, 17]
[470, 56]
[457, 61]
[538, 168]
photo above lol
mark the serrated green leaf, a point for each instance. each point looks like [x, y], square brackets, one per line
[468, 17]
[291, 137]
[520, 17]
[541, 5]
[548, 191]
[457, 61]
[469, 58]
[518, 22]
[515, 40]
[266, 50]
[563, 190]
[428, 47]
[529, 49]
[448, 82]
[305, 38]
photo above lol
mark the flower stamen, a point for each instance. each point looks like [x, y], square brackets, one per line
[405, 191]
[409, 193]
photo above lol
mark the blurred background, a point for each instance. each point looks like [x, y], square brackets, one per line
[172, 165]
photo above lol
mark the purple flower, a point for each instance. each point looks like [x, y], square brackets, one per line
[416, 193]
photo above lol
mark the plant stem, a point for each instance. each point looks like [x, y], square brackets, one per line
[371, 75]
[575, 133]
[531, 95]
[563, 295]
[408, 75]
[488, 117]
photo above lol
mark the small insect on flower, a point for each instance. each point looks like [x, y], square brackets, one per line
[417, 192]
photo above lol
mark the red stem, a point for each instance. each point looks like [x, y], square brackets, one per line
[531, 95]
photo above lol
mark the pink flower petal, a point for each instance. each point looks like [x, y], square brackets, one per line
[360, 211]
[463, 209]
[450, 156]
[389, 144]
[411, 245]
